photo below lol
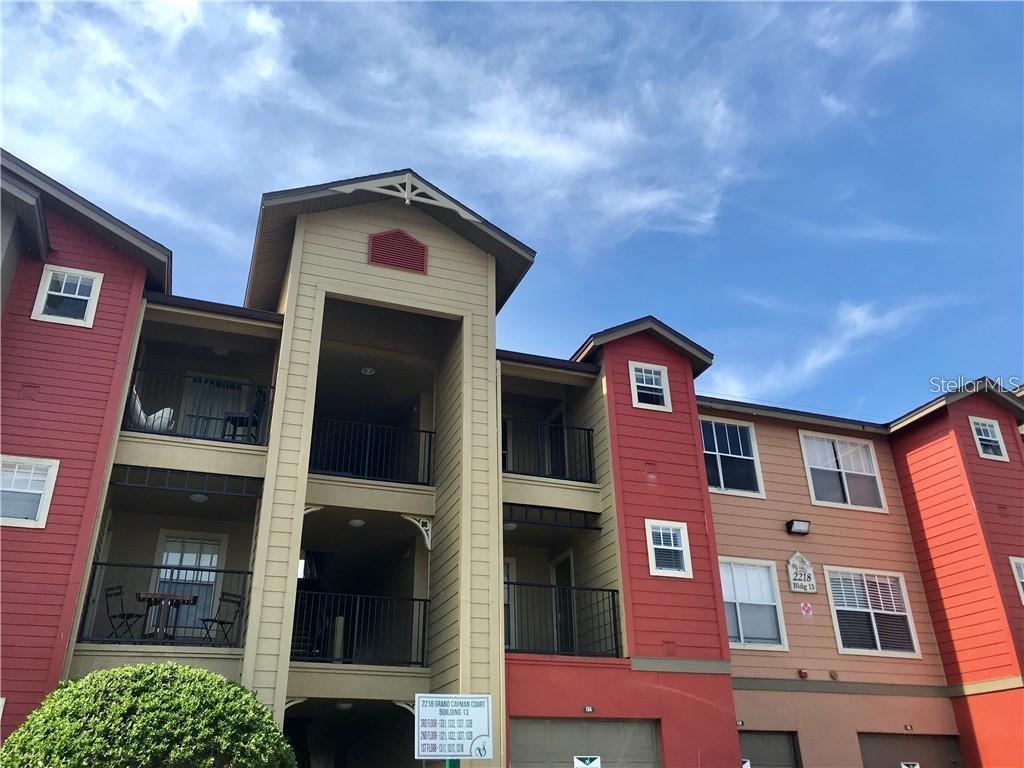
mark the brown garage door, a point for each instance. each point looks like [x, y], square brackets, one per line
[769, 749]
[544, 743]
[894, 750]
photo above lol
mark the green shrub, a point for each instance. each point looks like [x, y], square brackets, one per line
[149, 716]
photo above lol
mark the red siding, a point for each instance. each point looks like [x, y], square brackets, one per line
[659, 473]
[963, 596]
[59, 392]
[697, 720]
[990, 729]
[998, 489]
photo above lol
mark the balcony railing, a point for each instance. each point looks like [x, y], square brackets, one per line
[567, 621]
[547, 450]
[165, 605]
[198, 406]
[360, 629]
[371, 451]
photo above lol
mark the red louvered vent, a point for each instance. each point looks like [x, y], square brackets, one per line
[396, 248]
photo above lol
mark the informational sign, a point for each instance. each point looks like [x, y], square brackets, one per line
[586, 761]
[801, 574]
[806, 609]
[745, 763]
[454, 726]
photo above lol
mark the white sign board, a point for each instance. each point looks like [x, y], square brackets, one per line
[453, 726]
[801, 574]
[586, 761]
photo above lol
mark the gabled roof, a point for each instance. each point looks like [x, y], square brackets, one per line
[983, 386]
[275, 229]
[700, 357]
[27, 191]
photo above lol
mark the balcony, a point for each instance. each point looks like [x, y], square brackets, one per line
[180, 604]
[543, 449]
[360, 629]
[371, 451]
[198, 406]
[561, 620]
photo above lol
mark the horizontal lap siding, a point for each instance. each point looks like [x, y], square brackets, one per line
[458, 282]
[998, 488]
[954, 561]
[665, 616]
[61, 386]
[755, 528]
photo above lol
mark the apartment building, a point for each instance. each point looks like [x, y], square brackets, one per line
[342, 494]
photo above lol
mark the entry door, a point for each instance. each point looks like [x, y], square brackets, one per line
[565, 609]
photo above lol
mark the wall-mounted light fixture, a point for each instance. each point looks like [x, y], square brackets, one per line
[798, 527]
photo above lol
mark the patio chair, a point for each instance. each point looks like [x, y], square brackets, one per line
[228, 614]
[122, 621]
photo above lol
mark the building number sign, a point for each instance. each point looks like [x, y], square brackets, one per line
[453, 726]
[801, 574]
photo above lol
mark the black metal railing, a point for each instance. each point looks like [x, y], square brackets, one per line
[547, 450]
[371, 451]
[199, 406]
[360, 629]
[567, 621]
[165, 605]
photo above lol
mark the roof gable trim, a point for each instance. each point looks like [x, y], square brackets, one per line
[411, 189]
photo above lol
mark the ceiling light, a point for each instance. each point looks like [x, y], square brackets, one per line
[198, 498]
[509, 526]
[367, 370]
[220, 352]
[355, 522]
[344, 706]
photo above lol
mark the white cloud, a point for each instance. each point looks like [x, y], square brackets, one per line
[569, 124]
[854, 328]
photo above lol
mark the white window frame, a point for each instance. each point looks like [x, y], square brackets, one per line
[915, 654]
[1017, 568]
[783, 645]
[687, 571]
[760, 494]
[91, 304]
[44, 498]
[884, 509]
[975, 420]
[667, 407]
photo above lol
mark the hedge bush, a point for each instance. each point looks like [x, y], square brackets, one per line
[149, 716]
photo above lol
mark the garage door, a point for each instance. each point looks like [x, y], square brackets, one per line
[894, 750]
[539, 743]
[769, 749]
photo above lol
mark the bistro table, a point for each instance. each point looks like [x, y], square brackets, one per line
[164, 607]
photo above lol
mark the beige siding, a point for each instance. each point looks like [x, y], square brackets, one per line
[597, 558]
[755, 528]
[329, 257]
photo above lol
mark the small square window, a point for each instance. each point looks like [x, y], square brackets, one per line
[67, 296]
[668, 549]
[649, 384]
[26, 486]
[1017, 564]
[989, 439]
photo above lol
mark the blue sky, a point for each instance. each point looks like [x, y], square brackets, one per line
[829, 197]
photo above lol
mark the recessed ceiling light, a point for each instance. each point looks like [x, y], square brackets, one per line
[220, 352]
[355, 522]
[198, 498]
[367, 370]
[509, 526]
[344, 706]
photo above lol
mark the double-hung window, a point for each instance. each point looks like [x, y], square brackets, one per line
[730, 456]
[842, 471]
[26, 486]
[649, 384]
[753, 615]
[67, 296]
[1017, 564]
[988, 438]
[871, 612]
[668, 549]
